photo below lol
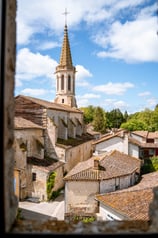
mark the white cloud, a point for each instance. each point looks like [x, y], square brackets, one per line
[48, 45]
[144, 94]
[111, 104]
[31, 65]
[39, 15]
[114, 88]
[90, 95]
[152, 102]
[34, 92]
[81, 74]
[134, 41]
[84, 100]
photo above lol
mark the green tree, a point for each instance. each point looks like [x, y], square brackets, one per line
[154, 120]
[134, 125]
[125, 116]
[88, 113]
[114, 118]
[99, 120]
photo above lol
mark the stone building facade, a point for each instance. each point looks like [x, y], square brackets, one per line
[9, 203]
[54, 132]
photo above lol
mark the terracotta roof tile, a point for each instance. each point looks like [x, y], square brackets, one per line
[133, 204]
[115, 164]
[146, 134]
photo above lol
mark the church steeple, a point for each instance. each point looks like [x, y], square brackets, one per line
[65, 58]
[65, 74]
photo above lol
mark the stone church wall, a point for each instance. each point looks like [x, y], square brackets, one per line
[72, 155]
[28, 142]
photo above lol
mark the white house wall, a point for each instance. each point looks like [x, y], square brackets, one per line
[133, 150]
[137, 137]
[109, 215]
[115, 143]
[111, 185]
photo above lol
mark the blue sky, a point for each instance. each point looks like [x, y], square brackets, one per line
[114, 47]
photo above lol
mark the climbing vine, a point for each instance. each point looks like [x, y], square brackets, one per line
[23, 147]
[50, 185]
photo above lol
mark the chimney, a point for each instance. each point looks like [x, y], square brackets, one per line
[96, 163]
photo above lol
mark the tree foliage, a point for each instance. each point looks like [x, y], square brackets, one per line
[99, 120]
[88, 113]
[103, 120]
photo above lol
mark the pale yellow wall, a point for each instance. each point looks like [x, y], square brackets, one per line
[72, 155]
[16, 183]
[79, 196]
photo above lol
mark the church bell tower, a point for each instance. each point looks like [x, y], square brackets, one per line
[65, 75]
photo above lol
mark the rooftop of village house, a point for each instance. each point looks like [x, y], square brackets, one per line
[135, 199]
[143, 134]
[111, 164]
[135, 203]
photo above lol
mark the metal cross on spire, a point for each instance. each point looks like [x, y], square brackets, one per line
[65, 13]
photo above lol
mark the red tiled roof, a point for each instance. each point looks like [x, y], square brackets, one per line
[133, 204]
[142, 144]
[146, 134]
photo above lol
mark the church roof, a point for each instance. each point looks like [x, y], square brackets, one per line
[22, 123]
[50, 105]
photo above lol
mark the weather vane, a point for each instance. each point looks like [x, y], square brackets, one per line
[65, 13]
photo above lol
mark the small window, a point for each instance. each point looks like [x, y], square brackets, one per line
[33, 176]
[62, 100]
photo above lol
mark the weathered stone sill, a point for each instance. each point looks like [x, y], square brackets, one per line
[97, 227]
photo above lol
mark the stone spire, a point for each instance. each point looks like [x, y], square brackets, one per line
[65, 58]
